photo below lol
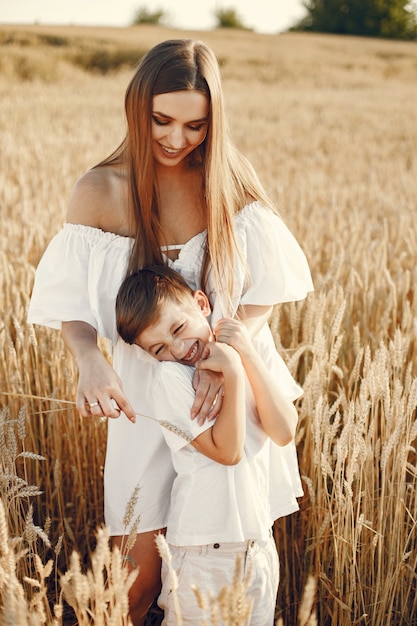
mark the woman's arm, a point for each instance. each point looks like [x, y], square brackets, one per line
[277, 414]
[254, 317]
[98, 382]
[91, 203]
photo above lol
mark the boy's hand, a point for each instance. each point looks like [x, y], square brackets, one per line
[220, 358]
[234, 333]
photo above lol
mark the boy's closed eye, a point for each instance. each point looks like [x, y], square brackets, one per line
[158, 350]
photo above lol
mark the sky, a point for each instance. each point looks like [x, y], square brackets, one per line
[264, 16]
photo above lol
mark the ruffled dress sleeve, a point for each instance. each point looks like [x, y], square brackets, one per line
[278, 268]
[271, 269]
[78, 277]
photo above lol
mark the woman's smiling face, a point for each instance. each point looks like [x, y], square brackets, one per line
[179, 125]
[181, 332]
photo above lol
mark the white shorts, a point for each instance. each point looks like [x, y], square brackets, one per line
[212, 567]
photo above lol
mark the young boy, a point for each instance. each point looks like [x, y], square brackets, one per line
[220, 498]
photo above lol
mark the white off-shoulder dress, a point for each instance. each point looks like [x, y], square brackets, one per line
[78, 278]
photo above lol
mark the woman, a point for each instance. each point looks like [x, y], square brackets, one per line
[175, 191]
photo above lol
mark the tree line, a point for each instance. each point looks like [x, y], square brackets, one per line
[392, 19]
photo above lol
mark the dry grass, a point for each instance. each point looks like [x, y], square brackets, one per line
[331, 126]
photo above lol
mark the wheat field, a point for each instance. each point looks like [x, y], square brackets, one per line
[330, 124]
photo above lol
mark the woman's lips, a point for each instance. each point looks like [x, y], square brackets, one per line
[170, 152]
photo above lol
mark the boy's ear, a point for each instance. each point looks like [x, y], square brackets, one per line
[202, 301]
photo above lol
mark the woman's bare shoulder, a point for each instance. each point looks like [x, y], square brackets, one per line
[98, 198]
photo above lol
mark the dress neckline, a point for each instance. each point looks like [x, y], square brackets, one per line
[110, 236]
[174, 246]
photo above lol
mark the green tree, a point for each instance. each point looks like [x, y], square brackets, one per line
[145, 16]
[395, 19]
[229, 18]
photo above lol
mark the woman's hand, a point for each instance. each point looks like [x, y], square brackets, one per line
[208, 400]
[100, 391]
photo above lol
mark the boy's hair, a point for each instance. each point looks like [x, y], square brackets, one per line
[141, 295]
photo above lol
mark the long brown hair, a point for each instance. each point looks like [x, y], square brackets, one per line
[229, 180]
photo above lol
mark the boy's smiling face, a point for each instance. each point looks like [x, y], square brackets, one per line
[181, 332]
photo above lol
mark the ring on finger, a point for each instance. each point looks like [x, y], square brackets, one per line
[92, 404]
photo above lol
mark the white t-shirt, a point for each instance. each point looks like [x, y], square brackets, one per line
[211, 502]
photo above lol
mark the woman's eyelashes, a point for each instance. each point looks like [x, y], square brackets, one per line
[160, 122]
[196, 128]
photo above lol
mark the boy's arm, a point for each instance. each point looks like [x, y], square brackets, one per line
[224, 441]
[277, 414]
[254, 317]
